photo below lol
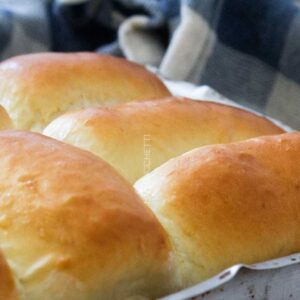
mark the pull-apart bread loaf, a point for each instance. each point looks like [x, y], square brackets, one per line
[5, 121]
[72, 228]
[36, 88]
[227, 204]
[137, 137]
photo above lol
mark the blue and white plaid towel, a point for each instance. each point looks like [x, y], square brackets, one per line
[248, 50]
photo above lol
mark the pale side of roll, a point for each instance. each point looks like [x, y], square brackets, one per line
[137, 137]
[228, 204]
[72, 228]
[36, 88]
[5, 121]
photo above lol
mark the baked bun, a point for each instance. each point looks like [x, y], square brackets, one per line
[5, 121]
[228, 204]
[137, 137]
[72, 228]
[36, 88]
[7, 284]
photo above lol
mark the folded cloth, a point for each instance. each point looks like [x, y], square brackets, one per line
[247, 50]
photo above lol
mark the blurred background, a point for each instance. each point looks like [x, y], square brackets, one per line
[247, 50]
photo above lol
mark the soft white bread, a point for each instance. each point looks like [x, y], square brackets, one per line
[36, 88]
[137, 137]
[228, 204]
[5, 121]
[72, 228]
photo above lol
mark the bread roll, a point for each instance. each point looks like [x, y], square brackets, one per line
[7, 284]
[5, 121]
[137, 137]
[36, 88]
[72, 228]
[228, 204]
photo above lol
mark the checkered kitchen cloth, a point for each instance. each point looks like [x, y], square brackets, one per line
[248, 50]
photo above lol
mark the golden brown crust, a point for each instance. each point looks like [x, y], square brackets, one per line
[7, 284]
[228, 204]
[73, 228]
[5, 121]
[137, 137]
[36, 88]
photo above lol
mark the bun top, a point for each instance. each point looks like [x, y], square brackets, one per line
[228, 204]
[137, 137]
[5, 121]
[72, 228]
[36, 88]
